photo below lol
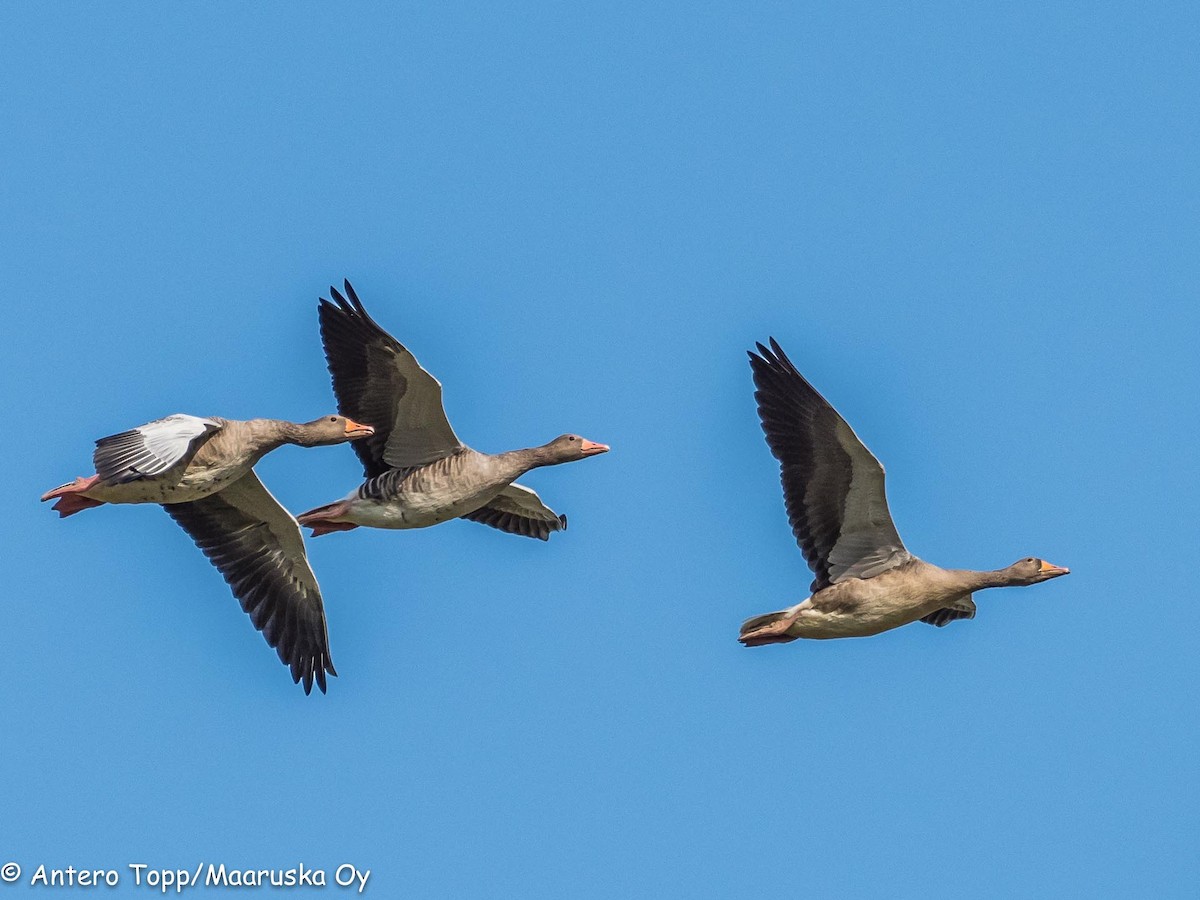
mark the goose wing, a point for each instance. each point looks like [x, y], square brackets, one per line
[832, 486]
[379, 382]
[256, 545]
[150, 449]
[518, 510]
[960, 609]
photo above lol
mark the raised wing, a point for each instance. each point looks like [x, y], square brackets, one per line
[960, 609]
[150, 449]
[518, 510]
[378, 382]
[256, 545]
[832, 485]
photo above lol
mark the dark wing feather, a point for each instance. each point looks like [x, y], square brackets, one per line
[518, 510]
[832, 486]
[378, 382]
[962, 609]
[256, 545]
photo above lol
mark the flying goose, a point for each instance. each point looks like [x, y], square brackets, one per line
[202, 472]
[866, 581]
[418, 473]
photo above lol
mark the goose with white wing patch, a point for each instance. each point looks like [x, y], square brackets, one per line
[202, 472]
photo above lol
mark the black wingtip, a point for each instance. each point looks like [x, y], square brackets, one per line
[347, 303]
[321, 666]
[773, 357]
[780, 356]
[563, 521]
[352, 306]
[313, 675]
[762, 356]
[353, 296]
[325, 666]
[331, 307]
[758, 361]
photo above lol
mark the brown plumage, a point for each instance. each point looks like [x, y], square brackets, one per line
[865, 580]
[201, 471]
[418, 473]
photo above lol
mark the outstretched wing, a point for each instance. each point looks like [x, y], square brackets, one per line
[960, 609]
[378, 382]
[150, 449]
[832, 485]
[518, 510]
[256, 545]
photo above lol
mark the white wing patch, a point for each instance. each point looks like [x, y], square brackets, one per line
[150, 449]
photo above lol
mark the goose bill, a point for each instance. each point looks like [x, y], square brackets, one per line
[1052, 571]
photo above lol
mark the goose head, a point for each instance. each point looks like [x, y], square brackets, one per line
[570, 447]
[331, 430]
[1032, 570]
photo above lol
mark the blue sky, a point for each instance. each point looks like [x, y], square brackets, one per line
[975, 229]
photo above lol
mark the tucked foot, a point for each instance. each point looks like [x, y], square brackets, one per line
[320, 528]
[70, 496]
[322, 519]
[769, 629]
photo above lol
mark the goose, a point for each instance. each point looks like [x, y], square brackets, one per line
[865, 580]
[417, 472]
[201, 470]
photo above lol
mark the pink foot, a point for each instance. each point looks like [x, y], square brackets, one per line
[320, 528]
[70, 496]
[321, 519]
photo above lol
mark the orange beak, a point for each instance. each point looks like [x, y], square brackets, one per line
[591, 448]
[1052, 571]
[355, 430]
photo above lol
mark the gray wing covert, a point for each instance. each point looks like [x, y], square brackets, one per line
[377, 381]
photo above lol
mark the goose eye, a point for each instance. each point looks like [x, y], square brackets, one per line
[333, 418]
[572, 438]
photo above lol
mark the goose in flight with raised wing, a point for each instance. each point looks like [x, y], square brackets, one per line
[865, 580]
[202, 472]
[418, 473]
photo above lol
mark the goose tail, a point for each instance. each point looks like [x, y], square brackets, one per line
[770, 628]
[323, 519]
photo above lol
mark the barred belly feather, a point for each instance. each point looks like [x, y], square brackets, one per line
[421, 496]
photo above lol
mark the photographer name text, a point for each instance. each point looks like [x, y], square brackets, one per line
[176, 881]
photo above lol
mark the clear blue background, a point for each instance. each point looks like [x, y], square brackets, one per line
[977, 230]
